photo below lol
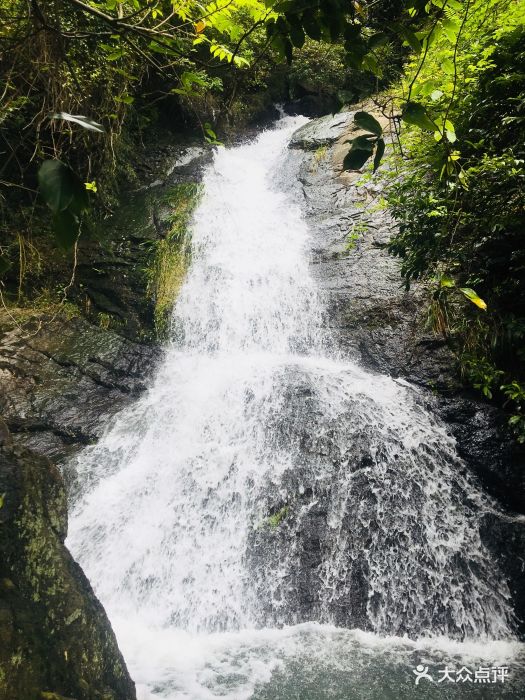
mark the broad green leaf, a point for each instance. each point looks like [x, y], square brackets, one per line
[473, 297]
[380, 150]
[447, 66]
[409, 36]
[66, 227]
[4, 265]
[56, 184]
[60, 188]
[414, 113]
[86, 122]
[370, 63]
[366, 121]
[450, 29]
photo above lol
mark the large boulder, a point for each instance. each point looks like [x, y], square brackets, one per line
[56, 641]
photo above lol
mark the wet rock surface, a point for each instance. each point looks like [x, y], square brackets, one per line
[383, 327]
[62, 381]
[112, 281]
[55, 638]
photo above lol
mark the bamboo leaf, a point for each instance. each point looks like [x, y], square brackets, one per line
[473, 297]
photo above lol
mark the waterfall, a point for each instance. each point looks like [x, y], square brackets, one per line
[194, 505]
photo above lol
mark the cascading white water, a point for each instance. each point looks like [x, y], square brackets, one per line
[173, 493]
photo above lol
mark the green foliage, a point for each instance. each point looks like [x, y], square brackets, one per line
[67, 198]
[461, 206]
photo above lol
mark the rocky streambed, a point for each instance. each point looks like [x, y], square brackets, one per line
[62, 381]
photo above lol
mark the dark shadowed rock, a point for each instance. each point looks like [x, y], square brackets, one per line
[312, 105]
[55, 638]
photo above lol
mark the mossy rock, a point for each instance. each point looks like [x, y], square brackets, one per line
[55, 639]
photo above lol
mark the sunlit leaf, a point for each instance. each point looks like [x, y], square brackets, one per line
[414, 113]
[473, 297]
[446, 281]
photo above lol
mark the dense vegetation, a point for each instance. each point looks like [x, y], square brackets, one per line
[85, 84]
[450, 78]
[460, 200]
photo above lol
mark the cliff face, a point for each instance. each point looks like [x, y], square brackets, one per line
[56, 640]
[61, 381]
[383, 327]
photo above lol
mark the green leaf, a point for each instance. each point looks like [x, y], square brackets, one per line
[59, 186]
[380, 150]
[370, 63]
[408, 36]
[4, 265]
[366, 121]
[446, 281]
[473, 297]
[414, 113]
[66, 227]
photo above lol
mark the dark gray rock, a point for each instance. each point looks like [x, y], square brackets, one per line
[322, 132]
[62, 380]
[383, 327]
[312, 105]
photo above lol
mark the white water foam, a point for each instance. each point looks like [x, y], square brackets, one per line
[172, 491]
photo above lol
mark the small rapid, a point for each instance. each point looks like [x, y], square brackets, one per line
[193, 506]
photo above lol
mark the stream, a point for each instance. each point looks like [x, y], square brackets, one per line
[194, 505]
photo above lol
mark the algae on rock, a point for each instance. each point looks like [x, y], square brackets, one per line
[172, 254]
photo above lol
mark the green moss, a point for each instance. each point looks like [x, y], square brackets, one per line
[318, 157]
[276, 519]
[172, 255]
